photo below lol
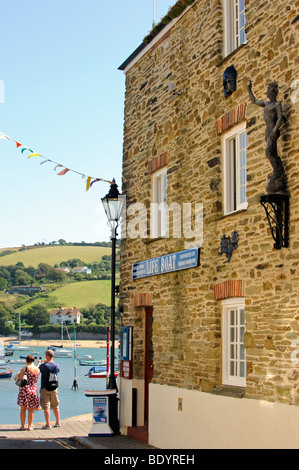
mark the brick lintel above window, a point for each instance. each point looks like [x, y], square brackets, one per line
[230, 119]
[158, 162]
[227, 289]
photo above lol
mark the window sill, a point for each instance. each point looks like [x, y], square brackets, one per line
[147, 241]
[224, 216]
[229, 391]
[231, 54]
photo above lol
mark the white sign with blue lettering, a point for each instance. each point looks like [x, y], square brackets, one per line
[166, 264]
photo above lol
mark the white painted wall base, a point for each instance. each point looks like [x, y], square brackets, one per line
[216, 422]
[125, 403]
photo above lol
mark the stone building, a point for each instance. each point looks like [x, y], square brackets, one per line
[208, 292]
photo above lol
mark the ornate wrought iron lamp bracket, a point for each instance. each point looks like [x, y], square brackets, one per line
[276, 206]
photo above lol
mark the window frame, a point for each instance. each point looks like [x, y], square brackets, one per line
[236, 304]
[234, 25]
[234, 169]
[159, 204]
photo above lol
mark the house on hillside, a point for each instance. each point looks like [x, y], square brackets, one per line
[64, 269]
[209, 261]
[66, 315]
[81, 270]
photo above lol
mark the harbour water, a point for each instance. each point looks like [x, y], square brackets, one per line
[72, 402]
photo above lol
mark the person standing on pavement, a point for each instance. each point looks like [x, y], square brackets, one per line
[49, 398]
[27, 397]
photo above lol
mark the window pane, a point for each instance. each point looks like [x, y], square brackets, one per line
[242, 21]
[242, 316]
[232, 334]
[165, 188]
[242, 332]
[242, 369]
[159, 198]
[242, 176]
[242, 36]
[158, 189]
[243, 195]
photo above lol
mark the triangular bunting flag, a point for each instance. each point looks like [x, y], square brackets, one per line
[63, 172]
[94, 181]
[18, 144]
[88, 183]
[34, 155]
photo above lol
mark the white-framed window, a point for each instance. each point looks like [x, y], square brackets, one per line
[158, 206]
[234, 150]
[233, 351]
[234, 24]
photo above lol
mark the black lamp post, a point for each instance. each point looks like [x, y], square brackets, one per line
[113, 204]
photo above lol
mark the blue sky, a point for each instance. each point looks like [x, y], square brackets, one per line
[64, 99]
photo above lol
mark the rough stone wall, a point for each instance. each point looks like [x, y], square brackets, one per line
[174, 97]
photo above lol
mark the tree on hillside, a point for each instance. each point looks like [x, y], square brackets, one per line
[4, 272]
[22, 278]
[47, 272]
[74, 262]
[100, 314]
[3, 283]
[5, 328]
[36, 316]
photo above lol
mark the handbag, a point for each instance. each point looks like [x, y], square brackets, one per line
[23, 381]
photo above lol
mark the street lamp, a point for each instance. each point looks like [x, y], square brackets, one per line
[113, 205]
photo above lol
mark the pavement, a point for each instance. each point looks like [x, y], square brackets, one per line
[76, 428]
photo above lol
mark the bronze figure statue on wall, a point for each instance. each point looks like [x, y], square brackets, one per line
[274, 119]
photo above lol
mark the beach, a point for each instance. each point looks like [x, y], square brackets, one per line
[80, 343]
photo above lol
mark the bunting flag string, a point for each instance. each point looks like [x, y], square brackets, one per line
[90, 180]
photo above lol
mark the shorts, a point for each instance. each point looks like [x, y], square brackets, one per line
[48, 399]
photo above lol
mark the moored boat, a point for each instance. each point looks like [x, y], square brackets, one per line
[100, 372]
[2, 362]
[87, 357]
[92, 363]
[16, 361]
[17, 347]
[58, 350]
[5, 374]
[62, 352]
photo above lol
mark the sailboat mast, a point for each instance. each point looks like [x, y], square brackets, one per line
[75, 383]
[19, 327]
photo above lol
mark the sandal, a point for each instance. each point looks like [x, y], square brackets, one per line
[46, 427]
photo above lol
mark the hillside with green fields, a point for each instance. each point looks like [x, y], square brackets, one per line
[54, 254]
[37, 267]
[74, 294]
